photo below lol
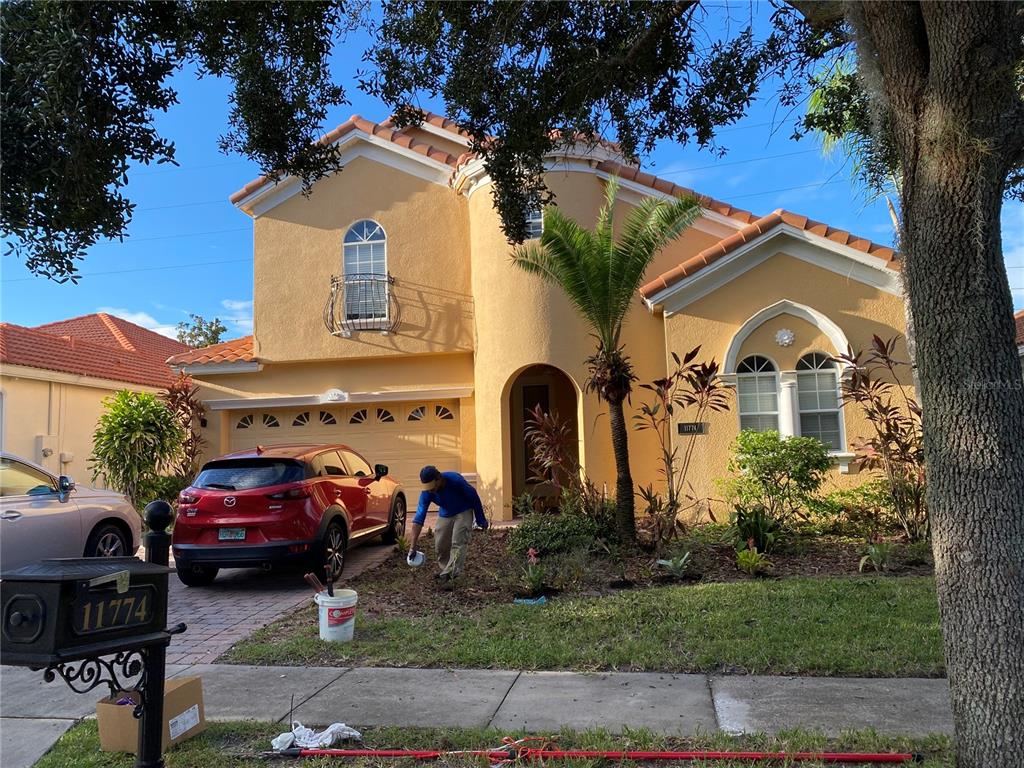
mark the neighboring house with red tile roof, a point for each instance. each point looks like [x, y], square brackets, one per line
[388, 315]
[54, 378]
[1018, 319]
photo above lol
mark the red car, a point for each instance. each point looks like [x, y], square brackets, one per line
[300, 505]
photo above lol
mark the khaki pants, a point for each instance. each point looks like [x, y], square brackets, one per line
[451, 539]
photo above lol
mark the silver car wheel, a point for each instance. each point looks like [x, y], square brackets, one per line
[334, 551]
[110, 545]
[399, 521]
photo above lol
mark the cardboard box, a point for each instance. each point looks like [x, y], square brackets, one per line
[183, 716]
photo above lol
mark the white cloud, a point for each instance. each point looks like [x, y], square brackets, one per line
[144, 319]
[239, 314]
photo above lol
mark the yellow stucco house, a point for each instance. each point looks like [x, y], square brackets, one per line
[388, 315]
[54, 378]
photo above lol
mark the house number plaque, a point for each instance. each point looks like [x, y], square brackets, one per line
[693, 428]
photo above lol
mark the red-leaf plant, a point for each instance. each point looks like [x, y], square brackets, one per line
[897, 447]
[691, 386]
[181, 399]
[554, 456]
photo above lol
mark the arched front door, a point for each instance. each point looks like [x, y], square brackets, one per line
[546, 387]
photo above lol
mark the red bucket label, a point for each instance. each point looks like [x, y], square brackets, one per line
[338, 616]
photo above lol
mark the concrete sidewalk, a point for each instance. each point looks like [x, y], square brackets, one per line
[35, 713]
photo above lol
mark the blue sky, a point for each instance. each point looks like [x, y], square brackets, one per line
[189, 250]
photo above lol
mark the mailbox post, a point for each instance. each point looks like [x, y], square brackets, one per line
[151, 728]
[96, 621]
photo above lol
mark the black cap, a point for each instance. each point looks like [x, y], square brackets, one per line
[429, 474]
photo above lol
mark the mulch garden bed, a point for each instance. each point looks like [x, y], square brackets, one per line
[493, 575]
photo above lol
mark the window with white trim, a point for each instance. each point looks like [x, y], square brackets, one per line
[817, 384]
[757, 389]
[534, 222]
[366, 270]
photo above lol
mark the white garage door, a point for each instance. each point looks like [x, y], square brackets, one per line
[405, 436]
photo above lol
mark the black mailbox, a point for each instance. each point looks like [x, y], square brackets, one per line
[63, 610]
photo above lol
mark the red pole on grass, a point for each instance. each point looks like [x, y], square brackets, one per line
[502, 755]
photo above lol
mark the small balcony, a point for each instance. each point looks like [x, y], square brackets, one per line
[361, 302]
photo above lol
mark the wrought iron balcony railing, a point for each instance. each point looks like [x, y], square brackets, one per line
[361, 302]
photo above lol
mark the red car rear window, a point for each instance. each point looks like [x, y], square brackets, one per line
[242, 474]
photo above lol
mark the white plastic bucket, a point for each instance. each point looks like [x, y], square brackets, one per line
[337, 615]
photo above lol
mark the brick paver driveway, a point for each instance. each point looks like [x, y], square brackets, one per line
[241, 601]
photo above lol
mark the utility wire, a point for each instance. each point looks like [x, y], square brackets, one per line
[736, 162]
[182, 205]
[129, 240]
[140, 269]
[787, 189]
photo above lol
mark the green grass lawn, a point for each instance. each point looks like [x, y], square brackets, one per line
[238, 745]
[848, 627]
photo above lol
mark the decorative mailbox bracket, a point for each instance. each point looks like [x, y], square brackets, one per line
[98, 621]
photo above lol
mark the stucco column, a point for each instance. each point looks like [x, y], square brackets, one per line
[789, 406]
[224, 438]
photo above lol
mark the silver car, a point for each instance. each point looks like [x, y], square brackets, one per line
[42, 516]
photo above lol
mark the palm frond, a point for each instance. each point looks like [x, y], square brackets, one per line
[599, 275]
[563, 258]
[649, 228]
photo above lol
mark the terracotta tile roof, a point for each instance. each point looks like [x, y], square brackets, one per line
[380, 130]
[34, 348]
[1019, 320]
[117, 332]
[439, 121]
[234, 351]
[634, 174]
[754, 230]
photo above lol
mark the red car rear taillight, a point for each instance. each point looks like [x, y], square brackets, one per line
[292, 493]
[187, 498]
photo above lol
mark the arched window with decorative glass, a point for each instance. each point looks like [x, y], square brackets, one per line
[366, 271]
[757, 387]
[817, 385]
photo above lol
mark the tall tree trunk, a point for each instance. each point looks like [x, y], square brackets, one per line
[971, 393]
[947, 72]
[625, 515]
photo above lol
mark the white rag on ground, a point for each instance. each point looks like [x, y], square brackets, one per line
[306, 738]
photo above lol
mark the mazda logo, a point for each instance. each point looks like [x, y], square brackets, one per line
[229, 501]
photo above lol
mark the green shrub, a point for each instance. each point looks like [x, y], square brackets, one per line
[522, 505]
[879, 555]
[164, 488]
[755, 524]
[779, 474]
[752, 562]
[136, 438]
[917, 553]
[553, 534]
[861, 511]
[572, 570]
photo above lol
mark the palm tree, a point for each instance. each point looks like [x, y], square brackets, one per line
[601, 277]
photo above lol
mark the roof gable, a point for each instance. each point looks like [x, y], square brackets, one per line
[830, 244]
[234, 351]
[33, 348]
[356, 128]
[108, 330]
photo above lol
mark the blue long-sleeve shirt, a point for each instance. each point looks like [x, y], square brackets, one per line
[453, 498]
